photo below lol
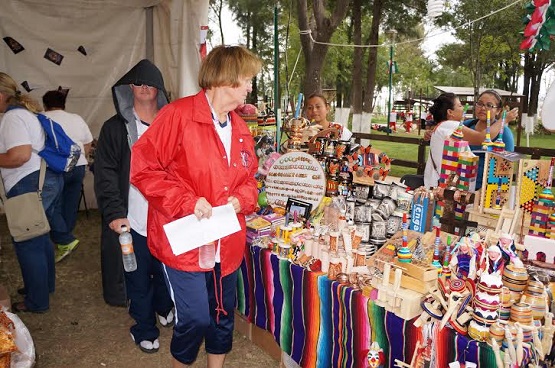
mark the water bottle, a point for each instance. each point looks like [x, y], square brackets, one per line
[207, 256]
[127, 252]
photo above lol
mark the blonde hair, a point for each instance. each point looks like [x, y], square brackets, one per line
[8, 87]
[226, 65]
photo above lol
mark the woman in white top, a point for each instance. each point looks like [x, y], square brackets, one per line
[21, 137]
[447, 111]
[317, 109]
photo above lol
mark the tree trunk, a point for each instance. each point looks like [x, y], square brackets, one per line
[371, 66]
[313, 77]
[252, 98]
[356, 91]
[528, 72]
[321, 30]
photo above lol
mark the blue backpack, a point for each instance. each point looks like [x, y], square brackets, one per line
[60, 152]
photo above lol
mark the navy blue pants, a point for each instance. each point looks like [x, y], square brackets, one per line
[147, 292]
[68, 206]
[36, 256]
[194, 295]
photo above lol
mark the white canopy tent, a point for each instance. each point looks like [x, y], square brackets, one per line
[100, 40]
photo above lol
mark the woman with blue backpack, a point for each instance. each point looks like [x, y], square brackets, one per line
[21, 138]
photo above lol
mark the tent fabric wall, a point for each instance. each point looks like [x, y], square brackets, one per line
[113, 34]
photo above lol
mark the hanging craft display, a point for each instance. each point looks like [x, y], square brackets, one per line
[539, 25]
[497, 181]
[295, 175]
[369, 164]
[533, 180]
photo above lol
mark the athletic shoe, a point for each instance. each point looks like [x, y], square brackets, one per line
[63, 251]
[166, 321]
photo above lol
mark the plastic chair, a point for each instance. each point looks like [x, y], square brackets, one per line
[413, 181]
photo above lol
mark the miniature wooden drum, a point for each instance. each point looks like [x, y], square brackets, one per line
[535, 287]
[522, 313]
[515, 278]
[538, 304]
[477, 331]
[497, 331]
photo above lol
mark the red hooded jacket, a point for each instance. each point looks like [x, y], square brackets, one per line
[181, 158]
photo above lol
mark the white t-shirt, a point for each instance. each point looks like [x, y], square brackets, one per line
[20, 127]
[442, 132]
[75, 127]
[137, 213]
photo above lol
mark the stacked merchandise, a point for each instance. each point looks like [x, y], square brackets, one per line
[460, 163]
[378, 214]
[542, 210]
[332, 154]
[257, 229]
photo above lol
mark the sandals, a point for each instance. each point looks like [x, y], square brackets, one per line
[18, 307]
[147, 346]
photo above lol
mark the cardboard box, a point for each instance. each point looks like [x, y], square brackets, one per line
[5, 300]
[243, 326]
[265, 340]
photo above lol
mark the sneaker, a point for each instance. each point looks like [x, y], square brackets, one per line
[166, 321]
[147, 346]
[63, 251]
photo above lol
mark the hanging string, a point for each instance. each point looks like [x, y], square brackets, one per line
[426, 36]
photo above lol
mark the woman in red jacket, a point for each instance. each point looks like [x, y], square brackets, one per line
[199, 154]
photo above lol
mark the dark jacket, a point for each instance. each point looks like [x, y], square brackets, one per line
[111, 171]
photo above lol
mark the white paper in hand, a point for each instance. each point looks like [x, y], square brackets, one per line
[189, 233]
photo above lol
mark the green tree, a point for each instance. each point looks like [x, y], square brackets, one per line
[318, 23]
[488, 46]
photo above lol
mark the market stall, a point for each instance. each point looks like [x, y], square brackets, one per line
[346, 269]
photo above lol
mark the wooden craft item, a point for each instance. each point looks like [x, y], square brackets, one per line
[417, 271]
[548, 331]
[510, 345]
[495, 168]
[453, 304]
[496, 351]
[311, 143]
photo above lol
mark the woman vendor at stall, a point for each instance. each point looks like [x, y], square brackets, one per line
[490, 100]
[447, 111]
[317, 109]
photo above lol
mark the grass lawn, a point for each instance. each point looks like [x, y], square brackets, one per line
[410, 151]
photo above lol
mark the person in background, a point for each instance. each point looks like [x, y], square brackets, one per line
[317, 109]
[21, 137]
[198, 155]
[75, 127]
[490, 100]
[447, 111]
[138, 96]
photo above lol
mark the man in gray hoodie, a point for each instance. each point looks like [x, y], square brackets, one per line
[138, 96]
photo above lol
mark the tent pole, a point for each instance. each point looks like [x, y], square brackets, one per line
[277, 104]
[149, 41]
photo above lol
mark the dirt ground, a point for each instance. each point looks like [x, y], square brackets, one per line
[80, 330]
